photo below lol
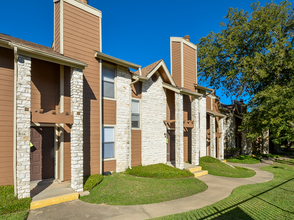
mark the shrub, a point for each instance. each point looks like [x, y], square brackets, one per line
[91, 181]
[160, 171]
[9, 203]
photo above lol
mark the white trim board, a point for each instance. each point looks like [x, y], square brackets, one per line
[182, 40]
[83, 6]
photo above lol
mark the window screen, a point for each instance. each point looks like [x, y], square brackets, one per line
[108, 73]
[108, 142]
[135, 114]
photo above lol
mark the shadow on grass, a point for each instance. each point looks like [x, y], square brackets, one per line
[234, 210]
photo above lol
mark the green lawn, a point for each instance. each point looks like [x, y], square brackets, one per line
[126, 189]
[245, 159]
[10, 206]
[160, 170]
[218, 168]
[286, 161]
[270, 200]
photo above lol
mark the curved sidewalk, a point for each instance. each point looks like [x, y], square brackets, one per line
[218, 189]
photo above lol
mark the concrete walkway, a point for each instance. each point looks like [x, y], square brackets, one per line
[218, 189]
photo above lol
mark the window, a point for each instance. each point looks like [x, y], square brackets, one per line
[108, 74]
[108, 142]
[135, 114]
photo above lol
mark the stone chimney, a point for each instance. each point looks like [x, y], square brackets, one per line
[84, 1]
[187, 38]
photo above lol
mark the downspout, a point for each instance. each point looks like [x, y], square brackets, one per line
[130, 125]
[14, 120]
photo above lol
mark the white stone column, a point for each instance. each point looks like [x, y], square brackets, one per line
[195, 131]
[203, 127]
[122, 143]
[179, 131]
[231, 130]
[23, 127]
[212, 137]
[243, 144]
[222, 138]
[265, 144]
[76, 134]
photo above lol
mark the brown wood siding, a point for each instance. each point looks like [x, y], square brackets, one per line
[6, 115]
[176, 62]
[81, 39]
[67, 156]
[67, 99]
[109, 165]
[216, 104]
[189, 67]
[136, 148]
[137, 90]
[170, 107]
[109, 112]
[187, 107]
[44, 85]
[208, 103]
[57, 26]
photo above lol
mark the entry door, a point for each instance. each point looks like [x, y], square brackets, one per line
[171, 145]
[36, 154]
[42, 153]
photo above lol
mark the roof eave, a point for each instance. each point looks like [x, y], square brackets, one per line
[203, 88]
[39, 54]
[115, 60]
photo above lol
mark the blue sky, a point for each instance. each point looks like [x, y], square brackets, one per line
[134, 30]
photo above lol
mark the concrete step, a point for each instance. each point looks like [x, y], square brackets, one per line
[200, 173]
[195, 169]
[53, 200]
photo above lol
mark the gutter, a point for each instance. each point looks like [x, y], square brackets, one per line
[130, 126]
[14, 120]
[115, 60]
[42, 55]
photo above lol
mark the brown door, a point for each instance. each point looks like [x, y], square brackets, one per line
[48, 153]
[42, 153]
[171, 145]
[36, 154]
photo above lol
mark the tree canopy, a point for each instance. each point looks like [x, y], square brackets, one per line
[253, 55]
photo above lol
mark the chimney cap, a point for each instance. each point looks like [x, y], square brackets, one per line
[84, 1]
[187, 37]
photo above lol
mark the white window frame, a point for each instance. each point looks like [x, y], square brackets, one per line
[114, 146]
[140, 117]
[114, 80]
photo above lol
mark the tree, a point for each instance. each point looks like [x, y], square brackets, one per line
[253, 55]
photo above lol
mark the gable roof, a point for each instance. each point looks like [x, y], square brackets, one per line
[39, 51]
[149, 70]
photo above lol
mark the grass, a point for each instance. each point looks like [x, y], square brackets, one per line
[91, 181]
[218, 168]
[10, 206]
[161, 171]
[285, 161]
[245, 159]
[269, 200]
[167, 183]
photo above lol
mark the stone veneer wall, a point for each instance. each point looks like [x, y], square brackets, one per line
[230, 132]
[195, 131]
[265, 144]
[23, 126]
[212, 137]
[153, 113]
[202, 132]
[76, 134]
[221, 140]
[123, 120]
[179, 131]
